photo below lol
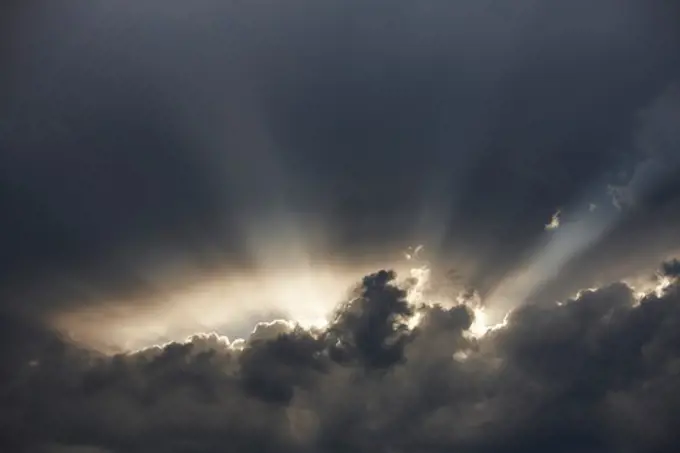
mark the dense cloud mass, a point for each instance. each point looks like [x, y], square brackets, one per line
[147, 143]
[596, 373]
[173, 168]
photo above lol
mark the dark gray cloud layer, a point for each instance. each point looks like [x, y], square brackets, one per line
[138, 133]
[148, 144]
[597, 373]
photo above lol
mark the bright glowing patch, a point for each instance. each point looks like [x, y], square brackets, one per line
[554, 221]
[312, 323]
[415, 320]
[417, 295]
[421, 275]
[413, 253]
[644, 287]
[307, 299]
[229, 305]
[664, 283]
[479, 326]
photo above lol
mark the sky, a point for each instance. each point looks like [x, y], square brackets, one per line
[339, 226]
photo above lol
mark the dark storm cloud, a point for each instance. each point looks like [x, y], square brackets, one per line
[139, 135]
[595, 373]
[372, 328]
[145, 144]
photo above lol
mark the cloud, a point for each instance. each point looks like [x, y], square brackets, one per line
[671, 268]
[597, 372]
[302, 133]
[554, 221]
[641, 229]
[657, 141]
[149, 150]
[372, 328]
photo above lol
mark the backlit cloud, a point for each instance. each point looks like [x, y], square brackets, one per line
[596, 372]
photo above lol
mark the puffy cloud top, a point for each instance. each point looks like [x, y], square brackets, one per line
[597, 372]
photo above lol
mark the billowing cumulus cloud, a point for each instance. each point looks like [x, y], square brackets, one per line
[598, 372]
